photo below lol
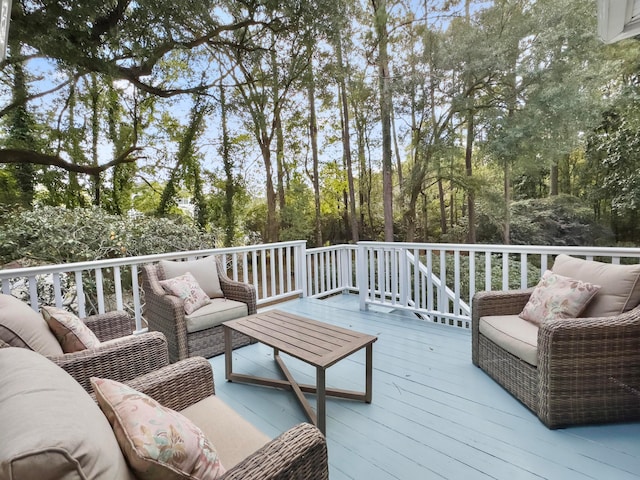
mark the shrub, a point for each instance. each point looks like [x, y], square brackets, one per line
[54, 235]
[51, 235]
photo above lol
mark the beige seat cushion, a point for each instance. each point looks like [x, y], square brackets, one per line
[204, 270]
[213, 314]
[20, 326]
[513, 334]
[51, 427]
[234, 437]
[620, 284]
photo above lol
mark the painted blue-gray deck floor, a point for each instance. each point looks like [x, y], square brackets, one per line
[434, 414]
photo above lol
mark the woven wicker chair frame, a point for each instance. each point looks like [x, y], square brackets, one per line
[165, 313]
[121, 357]
[299, 453]
[588, 368]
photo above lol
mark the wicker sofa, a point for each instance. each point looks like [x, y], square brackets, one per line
[58, 432]
[200, 333]
[568, 371]
[120, 356]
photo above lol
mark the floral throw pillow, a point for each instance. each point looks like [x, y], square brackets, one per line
[557, 296]
[71, 332]
[157, 442]
[186, 287]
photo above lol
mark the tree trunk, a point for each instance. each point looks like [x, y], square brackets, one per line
[364, 185]
[553, 180]
[277, 125]
[346, 145]
[471, 194]
[410, 216]
[280, 166]
[425, 218]
[20, 130]
[443, 207]
[452, 209]
[313, 134]
[74, 196]
[184, 161]
[95, 135]
[229, 186]
[506, 234]
[398, 158]
[410, 212]
[272, 220]
[380, 11]
[468, 154]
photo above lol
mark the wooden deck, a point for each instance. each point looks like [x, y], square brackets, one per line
[433, 415]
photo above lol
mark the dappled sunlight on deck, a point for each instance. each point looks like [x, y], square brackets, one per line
[434, 414]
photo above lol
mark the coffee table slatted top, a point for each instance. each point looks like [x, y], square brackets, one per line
[317, 343]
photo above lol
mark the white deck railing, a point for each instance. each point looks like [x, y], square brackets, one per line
[276, 270]
[434, 281]
[438, 281]
[331, 270]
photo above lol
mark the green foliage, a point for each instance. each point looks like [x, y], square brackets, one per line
[9, 190]
[218, 216]
[256, 222]
[51, 235]
[613, 163]
[297, 218]
[558, 220]
[515, 273]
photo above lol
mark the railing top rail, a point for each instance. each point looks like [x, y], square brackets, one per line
[342, 246]
[532, 249]
[127, 261]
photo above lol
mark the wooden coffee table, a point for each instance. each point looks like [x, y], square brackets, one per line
[316, 343]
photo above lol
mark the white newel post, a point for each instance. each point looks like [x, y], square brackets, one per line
[301, 269]
[361, 275]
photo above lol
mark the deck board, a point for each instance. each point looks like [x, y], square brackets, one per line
[434, 414]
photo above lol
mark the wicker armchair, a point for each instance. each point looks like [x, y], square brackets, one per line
[588, 369]
[165, 313]
[299, 453]
[121, 357]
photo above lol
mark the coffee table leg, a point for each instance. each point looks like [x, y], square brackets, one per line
[369, 374]
[228, 357]
[321, 399]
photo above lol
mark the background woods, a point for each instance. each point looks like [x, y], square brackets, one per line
[503, 121]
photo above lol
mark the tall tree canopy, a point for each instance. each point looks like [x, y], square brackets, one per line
[327, 120]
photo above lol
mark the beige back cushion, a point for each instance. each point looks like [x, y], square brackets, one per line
[204, 270]
[20, 326]
[620, 284]
[234, 437]
[56, 430]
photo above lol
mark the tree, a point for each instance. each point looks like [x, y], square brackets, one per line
[229, 190]
[187, 165]
[386, 106]
[153, 47]
[21, 135]
[263, 92]
[310, 82]
[346, 136]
